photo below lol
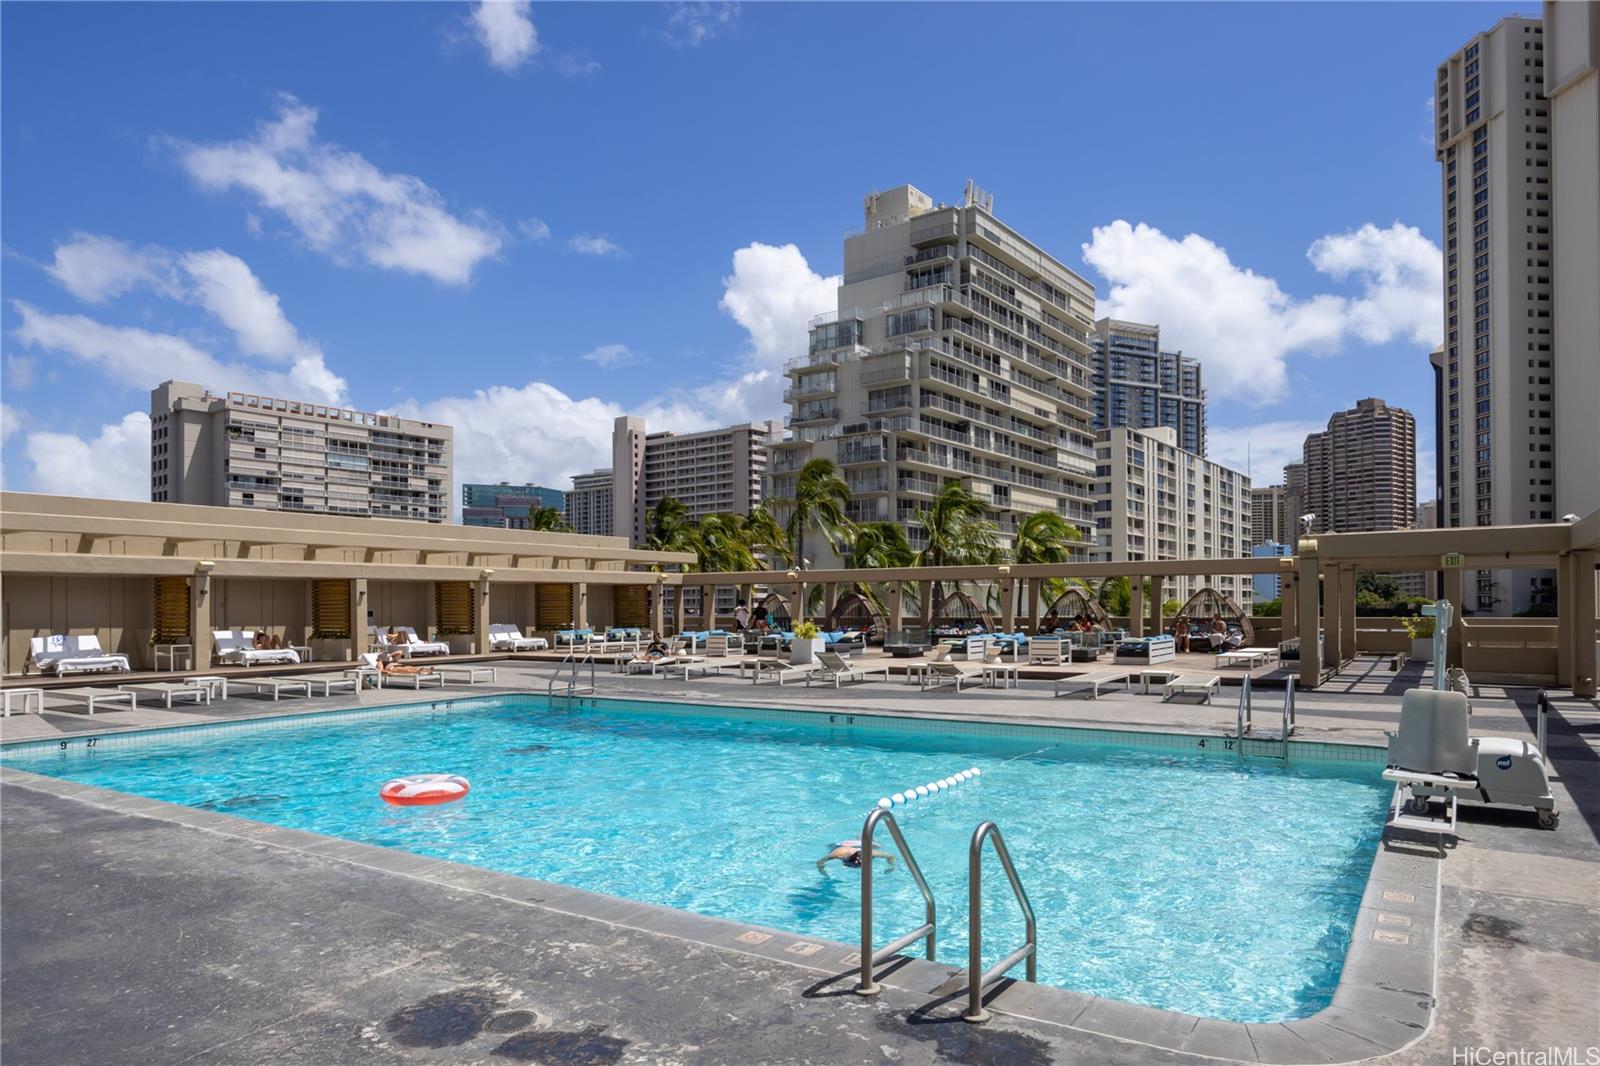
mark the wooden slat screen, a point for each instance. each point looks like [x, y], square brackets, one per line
[554, 606]
[452, 606]
[330, 610]
[171, 609]
[632, 606]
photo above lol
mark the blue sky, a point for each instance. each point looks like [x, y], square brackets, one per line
[526, 220]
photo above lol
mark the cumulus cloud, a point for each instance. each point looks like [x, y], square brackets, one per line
[337, 200]
[594, 244]
[21, 371]
[10, 419]
[574, 66]
[96, 268]
[689, 24]
[1262, 449]
[114, 464]
[1242, 325]
[535, 229]
[609, 355]
[505, 29]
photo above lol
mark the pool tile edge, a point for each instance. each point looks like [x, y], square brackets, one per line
[1369, 1016]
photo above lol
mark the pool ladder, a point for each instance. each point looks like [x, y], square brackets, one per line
[572, 673]
[978, 978]
[1243, 723]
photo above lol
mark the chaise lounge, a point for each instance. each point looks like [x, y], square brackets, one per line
[61, 655]
[506, 637]
[237, 646]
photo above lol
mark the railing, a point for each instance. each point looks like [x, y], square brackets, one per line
[869, 957]
[1243, 723]
[978, 978]
[576, 660]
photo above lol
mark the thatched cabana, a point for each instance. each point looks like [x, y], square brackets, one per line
[1075, 601]
[855, 611]
[1208, 603]
[777, 609]
[959, 611]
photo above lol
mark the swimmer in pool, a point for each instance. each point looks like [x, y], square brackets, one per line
[849, 853]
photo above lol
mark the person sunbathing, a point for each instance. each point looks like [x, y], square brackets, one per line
[397, 665]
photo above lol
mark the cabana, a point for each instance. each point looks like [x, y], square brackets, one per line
[1075, 601]
[1208, 603]
[777, 609]
[959, 614]
[855, 611]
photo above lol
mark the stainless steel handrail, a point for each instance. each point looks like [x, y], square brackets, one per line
[572, 679]
[1542, 726]
[1243, 723]
[869, 957]
[978, 978]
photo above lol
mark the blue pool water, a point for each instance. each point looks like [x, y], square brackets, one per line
[1181, 881]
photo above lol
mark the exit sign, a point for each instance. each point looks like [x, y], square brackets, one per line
[1450, 560]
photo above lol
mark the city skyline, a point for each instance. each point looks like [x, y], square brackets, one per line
[444, 289]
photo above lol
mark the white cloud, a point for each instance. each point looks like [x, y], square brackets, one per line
[535, 229]
[505, 29]
[574, 66]
[115, 464]
[21, 371]
[338, 200]
[95, 268]
[594, 244]
[773, 293]
[1241, 324]
[225, 286]
[609, 355]
[1263, 448]
[10, 420]
[691, 23]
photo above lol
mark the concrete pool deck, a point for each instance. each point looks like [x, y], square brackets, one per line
[317, 950]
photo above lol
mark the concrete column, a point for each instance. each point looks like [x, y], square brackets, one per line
[1008, 605]
[925, 606]
[1157, 592]
[358, 618]
[797, 610]
[1136, 605]
[430, 611]
[1289, 606]
[1347, 600]
[200, 618]
[830, 592]
[658, 610]
[1333, 615]
[580, 605]
[1585, 630]
[1452, 592]
[481, 615]
[1035, 602]
[1309, 612]
[896, 603]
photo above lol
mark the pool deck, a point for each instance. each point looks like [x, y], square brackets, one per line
[134, 930]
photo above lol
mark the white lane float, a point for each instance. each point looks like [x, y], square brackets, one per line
[421, 790]
[932, 788]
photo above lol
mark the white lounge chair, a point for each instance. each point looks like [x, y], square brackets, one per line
[410, 680]
[1203, 685]
[1091, 683]
[947, 673]
[831, 666]
[92, 698]
[653, 667]
[471, 673]
[780, 669]
[275, 686]
[506, 637]
[326, 682]
[1050, 650]
[237, 646]
[415, 645]
[61, 655]
[168, 690]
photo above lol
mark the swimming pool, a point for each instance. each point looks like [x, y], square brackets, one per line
[1160, 875]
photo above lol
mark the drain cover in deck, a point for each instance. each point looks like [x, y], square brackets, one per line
[510, 1021]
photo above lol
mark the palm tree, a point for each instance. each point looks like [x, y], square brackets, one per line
[879, 545]
[958, 532]
[765, 535]
[719, 544]
[1045, 537]
[667, 526]
[820, 496]
[547, 520]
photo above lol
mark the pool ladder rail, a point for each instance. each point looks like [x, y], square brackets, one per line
[573, 689]
[1243, 724]
[978, 978]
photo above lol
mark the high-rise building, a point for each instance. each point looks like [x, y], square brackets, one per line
[1517, 113]
[959, 352]
[1268, 586]
[1270, 521]
[589, 503]
[1137, 384]
[243, 450]
[1361, 472]
[1294, 494]
[506, 506]
[1156, 501]
[715, 471]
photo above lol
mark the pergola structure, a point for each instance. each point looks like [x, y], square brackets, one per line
[1318, 582]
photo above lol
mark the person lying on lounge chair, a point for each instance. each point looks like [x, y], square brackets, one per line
[265, 642]
[849, 853]
[395, 663]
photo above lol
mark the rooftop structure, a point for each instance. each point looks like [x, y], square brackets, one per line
[1137, 384]
[714, 471]
[506, 506]
[1361, 472]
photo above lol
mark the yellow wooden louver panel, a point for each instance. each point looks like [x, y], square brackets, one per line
[452, 604]
[330, 609]
[633, 606]
[171, 622]
[555, 606]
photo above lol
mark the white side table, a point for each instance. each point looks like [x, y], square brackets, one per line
[172, 652]
[303, 650]
[35, 694]
[214, 683]
[361, 672]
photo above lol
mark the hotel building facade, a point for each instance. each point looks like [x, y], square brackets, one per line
[1137, 384]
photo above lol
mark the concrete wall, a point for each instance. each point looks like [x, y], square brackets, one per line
[117, 610]
[400, 603]
[280, 606]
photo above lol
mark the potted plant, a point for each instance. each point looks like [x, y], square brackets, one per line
[1419, 628]
[461, 641]
[807, 642]
[331, 645]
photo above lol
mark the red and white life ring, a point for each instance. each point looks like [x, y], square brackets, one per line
[423, 789]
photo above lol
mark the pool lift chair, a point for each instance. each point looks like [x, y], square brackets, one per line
[1434, 755]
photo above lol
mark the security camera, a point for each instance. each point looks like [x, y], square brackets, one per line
[1306, 522]
[1569, 518]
